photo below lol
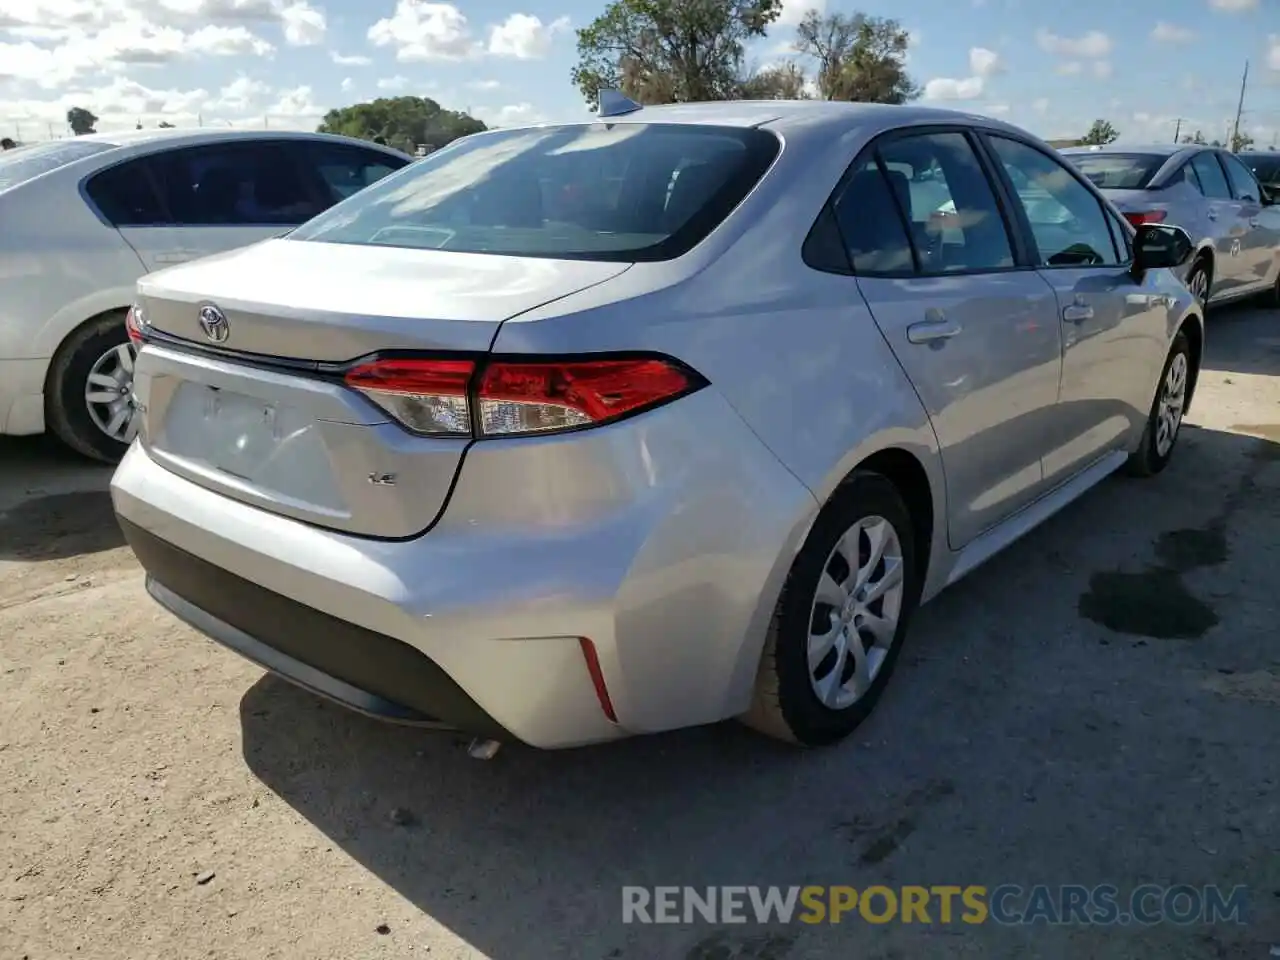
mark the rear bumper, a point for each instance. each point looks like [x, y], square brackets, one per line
[22, 397]
[365, 671]
[665, 550]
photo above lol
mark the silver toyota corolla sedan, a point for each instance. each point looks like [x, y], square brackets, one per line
[1211, 194]
[573, 432]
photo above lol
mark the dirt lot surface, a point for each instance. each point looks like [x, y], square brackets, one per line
[1101, 704]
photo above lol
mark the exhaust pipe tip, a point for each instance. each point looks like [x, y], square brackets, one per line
[483, 749]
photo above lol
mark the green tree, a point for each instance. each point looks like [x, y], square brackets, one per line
[786, 81]
[1196, 138]
[81, 121]
[670, 51]
[401, 122]
[1240, 141]
[1101, 133]
[859, 57]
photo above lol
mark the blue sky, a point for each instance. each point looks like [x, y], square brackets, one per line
[1051, 67]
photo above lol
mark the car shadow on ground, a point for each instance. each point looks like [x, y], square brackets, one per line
[54, 504]
[1003, 741]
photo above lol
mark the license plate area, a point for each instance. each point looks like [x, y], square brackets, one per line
[273, 447]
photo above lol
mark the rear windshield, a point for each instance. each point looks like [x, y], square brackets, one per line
[1118, 171]
[1266, 169]
[26, 163]
[595, 191]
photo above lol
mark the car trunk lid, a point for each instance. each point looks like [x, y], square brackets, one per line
[258, 411]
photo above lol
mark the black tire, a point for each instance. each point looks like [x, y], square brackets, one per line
[65, 411]
[785, 705]
[1201, 266]
[1147, 461]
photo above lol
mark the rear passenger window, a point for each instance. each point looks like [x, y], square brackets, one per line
[871, 226]
[245, 184]
[1242, 183]
[950, 208]
[126, 196]
[1213, 182]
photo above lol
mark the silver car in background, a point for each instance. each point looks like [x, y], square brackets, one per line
[572, 432]
[1211, 194]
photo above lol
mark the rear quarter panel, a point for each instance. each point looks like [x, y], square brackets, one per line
[59, 266]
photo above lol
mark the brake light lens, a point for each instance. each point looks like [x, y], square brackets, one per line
[134, 321]
[509, 398]
[1146, 216]
[427, 396]
[523, 397]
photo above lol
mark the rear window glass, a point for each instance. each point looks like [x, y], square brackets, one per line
[27, 163]
[1118, 171]
[596, 191]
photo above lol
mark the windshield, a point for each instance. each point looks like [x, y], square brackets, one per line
[26, 163]
[1118, 171]
[1266, 169]
[594, 191]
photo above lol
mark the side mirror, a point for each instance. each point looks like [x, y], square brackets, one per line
[1160, 246]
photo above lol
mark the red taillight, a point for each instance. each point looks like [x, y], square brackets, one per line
[529, 397]
[1145, 216]
[597, 678]
[133, 324]
[517, 397]
[427, 396]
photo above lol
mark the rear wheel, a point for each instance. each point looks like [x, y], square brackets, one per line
[89, 401]
[1165, 420]
[841, 619]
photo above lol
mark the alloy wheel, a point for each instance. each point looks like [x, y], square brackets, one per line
[108, 394]
[855, 613]
[1198, 284]
[1173, 395]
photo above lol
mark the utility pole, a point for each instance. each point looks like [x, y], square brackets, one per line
[1235, 130]
[1177, 130]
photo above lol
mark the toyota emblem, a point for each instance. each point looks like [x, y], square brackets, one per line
[214, 323]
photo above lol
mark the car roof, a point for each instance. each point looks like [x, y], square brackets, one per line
[1152, 149]
[833, 116]
[188, 136]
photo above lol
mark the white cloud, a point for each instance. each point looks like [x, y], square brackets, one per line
[242, 95]
[1069, 68]
[421, 30]
[297, 104]
[1041, 105]
[347, 84]
[303, 25]
[984, 62]
[995, 109]
[484, 85]
[1234, 6]
[945, 88]
[1102, 69]
[1091, 45]
[511, 115]
[524, 36]
[393, 83]
[1172, 33]
[356, 60]
[1273, 54]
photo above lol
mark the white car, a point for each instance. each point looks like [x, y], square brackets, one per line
[83, 219]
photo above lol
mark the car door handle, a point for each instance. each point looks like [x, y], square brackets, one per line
[1213, 214]
[1077, 313]
[176, 256]
[1255, 222]
[931, 331]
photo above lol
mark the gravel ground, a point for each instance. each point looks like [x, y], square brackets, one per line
[1100, 704]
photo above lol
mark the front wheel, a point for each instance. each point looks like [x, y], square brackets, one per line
[841, 619]
[89, 402]
[1165, 420]
[1198, 283]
